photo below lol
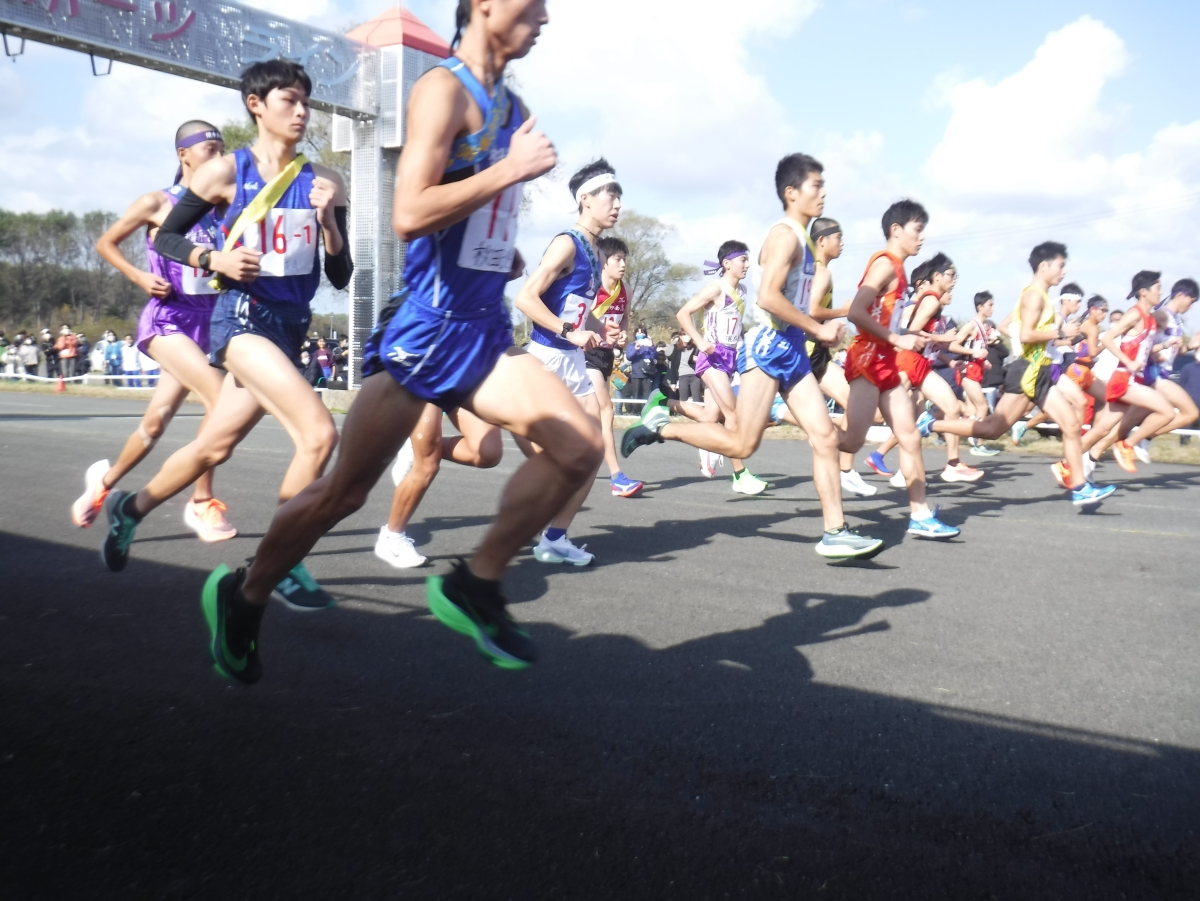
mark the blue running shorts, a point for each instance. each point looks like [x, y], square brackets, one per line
[781, 355]
[440, 356]
[283, 324]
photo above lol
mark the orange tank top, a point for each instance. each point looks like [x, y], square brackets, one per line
[887, 308]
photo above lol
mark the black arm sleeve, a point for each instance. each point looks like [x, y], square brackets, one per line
[171, 241]
[339, 267]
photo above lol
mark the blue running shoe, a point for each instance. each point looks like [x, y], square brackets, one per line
[877, 463]
[931, 528]
[1090, 494]
[623, 486]
[777, 409]
[925, 424]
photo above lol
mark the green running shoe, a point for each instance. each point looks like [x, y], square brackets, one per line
[300, 591]
[746, 482]
[656, 399]
[121, 529]
[473, 607]
[234, 643]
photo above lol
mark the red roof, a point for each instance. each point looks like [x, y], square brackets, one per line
[398, 26]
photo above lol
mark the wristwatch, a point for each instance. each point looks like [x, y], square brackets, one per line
[203, 259]
[567, 329]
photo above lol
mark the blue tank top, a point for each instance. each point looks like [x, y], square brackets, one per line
[288, 237]
[464, 268]
[571, 296]
[190, 287]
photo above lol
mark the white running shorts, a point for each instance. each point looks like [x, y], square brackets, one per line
[568, 365]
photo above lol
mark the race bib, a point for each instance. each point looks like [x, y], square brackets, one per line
[490, 239]
[575, 309]
[196, 281]
[288, 241]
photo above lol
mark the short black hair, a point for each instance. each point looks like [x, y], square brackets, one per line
[1096, 301]
[273, 75]
[919, 274]
[1070, 288]
[1143, 281]
[982, 297]
[609, 245]
[1186, 286]
[939, 263]
[596, 167]
[730, 248]
[793, 171]
[822, 227]
[1046, 252]
[462, 17]
[901, 213]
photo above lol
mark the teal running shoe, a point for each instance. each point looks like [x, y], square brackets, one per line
[476, 608]
[300, 591]
[121, 529]
[1090, 494]
[234, 634]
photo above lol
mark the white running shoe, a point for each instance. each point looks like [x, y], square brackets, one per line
[749, 484]
[207, 520]
[1141, 450]
[708, 463]
[561, 551]
[852, 483]
[961, 473]
[397, 549]
[1089, 467]
[404, 463]
[897, 480]
[85, 510]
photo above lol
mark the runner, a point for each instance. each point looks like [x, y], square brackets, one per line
[1031, 380]
[927, 320]
[559, 298]
[612, 310]
[773, 359]
[446, 339]
[1062, 354]
[724, 306]
[279, 208]
[871, 363]
[477, 445]
[173, 330]
[973, 341]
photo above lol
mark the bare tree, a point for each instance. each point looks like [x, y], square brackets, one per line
[652, 279]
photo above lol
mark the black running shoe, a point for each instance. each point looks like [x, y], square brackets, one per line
[234, 631]
[300, 591]
[476, 608]
[638, 436]
[121, 529]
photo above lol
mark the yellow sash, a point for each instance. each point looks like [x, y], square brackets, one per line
[258, 208]
[612, 298]
[738, 301]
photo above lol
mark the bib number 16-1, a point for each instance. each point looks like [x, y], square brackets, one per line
[287, 240]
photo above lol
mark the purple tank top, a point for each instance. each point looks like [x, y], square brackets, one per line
[189, 287]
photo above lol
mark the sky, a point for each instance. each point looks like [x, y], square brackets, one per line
[1013, 123]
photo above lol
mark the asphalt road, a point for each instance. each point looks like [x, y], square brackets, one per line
[717, 713]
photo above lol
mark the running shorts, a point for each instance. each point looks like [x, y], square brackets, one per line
[1014, 375]
[723, 358]
[161, 318]
[973, 372]
[1118, 385]
[568, 365]
[600, 359]
[913, 365]
[819, 358]
[1079, 374]
[780, 355]
[441, 356]
[236, 313]
[874, 362]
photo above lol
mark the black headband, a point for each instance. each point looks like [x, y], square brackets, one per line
[828, 230]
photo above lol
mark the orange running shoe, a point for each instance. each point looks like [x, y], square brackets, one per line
[1062, 474]
[207, 519]
[1125, 458]
[85, 510]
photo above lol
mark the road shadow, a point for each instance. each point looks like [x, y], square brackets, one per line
[380, 757]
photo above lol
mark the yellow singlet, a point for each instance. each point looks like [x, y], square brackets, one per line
[1035, 354]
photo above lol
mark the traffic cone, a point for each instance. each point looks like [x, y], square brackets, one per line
[61, 386]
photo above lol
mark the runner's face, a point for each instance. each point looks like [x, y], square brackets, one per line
[614, 266]
[1054, 271]
[1153, 293]
[985, 311]
[943, 282]
[911, 237]
[516, 24]
[284, 115]
[197, 155]
[809, 198]
[604, 208]
[831, 246]
[739, 266]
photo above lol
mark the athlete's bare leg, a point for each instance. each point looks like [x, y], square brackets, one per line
[1186, 411]
[976, 400]
[271, 385]
[567, 514]
[1009, 410]
[897, 409]
[720, 391]
[834, 384]
[1062, 405]
[1161, 410]
[936, 389]
[807, 404]
[600, 383]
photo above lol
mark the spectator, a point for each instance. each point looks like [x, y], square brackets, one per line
[311, 369]
[688, 386]
[49, 354]
[27, 354]
[67, 346]
[8, 356]
[324, 359]
[130, 365]
[149, 367]
[643, 365]
[112, 357]
[662, 370]
[83, 354]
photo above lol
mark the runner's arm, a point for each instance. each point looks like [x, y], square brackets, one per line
[879, 280]
[558, 261]
[822, 283]
[686, 314]
[959, 344]
[437, 110]
[147, 210]
[1109, 338]
[1031, 311]
[922, 315]
[777, 256]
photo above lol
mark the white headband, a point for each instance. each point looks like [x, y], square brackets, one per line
[1070, 297]
[594, 184]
